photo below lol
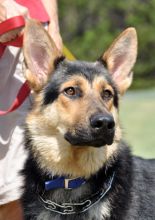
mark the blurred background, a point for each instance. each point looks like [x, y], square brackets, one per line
[88, 27]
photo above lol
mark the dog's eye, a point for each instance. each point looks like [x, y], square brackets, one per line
[107, 94]
[70, 91]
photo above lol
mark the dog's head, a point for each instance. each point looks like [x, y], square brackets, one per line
[74, 126]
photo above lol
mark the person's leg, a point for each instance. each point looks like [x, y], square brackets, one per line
[11, 211]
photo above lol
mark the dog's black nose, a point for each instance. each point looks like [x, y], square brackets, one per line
[101, 121]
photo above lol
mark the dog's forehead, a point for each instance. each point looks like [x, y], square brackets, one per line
[73, 71]
[88, 70]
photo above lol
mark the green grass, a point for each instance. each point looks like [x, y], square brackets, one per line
[137, 114]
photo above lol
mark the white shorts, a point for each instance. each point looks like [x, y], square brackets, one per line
[12, 153]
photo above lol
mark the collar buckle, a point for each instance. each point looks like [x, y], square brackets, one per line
[66, 183]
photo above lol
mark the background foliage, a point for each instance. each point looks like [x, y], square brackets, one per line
[89, 26]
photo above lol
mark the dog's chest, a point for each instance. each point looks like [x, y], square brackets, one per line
[82, 203]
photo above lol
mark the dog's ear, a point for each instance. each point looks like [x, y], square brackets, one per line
[40, 52]
[120, 58]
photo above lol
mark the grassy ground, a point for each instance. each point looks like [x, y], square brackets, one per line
[137, 113]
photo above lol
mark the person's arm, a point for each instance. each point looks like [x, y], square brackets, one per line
[2, 13]
[53, 29]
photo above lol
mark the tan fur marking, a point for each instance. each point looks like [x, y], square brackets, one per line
[76, 80]
[69, 108]
[100, 84]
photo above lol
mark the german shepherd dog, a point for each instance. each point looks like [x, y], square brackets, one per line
[78, 167]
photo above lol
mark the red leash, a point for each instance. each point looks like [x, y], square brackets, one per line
[21, 96]
[9, 25]
[5, 27]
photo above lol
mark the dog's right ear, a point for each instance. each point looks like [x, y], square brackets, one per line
[40, 52]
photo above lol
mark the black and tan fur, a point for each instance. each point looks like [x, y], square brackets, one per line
[65, 138]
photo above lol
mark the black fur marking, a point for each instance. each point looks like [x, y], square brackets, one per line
[58, 60]
[51, 93]
[90, 137]
[102, 61]
[116, 100]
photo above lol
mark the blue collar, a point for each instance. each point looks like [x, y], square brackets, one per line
[70, 208]
[62, 182]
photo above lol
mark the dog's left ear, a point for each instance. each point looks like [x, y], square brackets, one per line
[40, 52]
[121, 57]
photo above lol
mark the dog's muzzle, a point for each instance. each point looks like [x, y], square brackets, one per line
[100, 132]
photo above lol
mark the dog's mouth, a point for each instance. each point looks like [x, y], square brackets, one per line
[89, 140]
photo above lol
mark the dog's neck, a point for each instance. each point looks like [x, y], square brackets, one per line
[81, 206]
[81, 190]
[103, 181]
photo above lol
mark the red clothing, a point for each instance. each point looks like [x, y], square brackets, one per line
[36, 9]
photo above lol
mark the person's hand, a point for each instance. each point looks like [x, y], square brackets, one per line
[9, 9]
